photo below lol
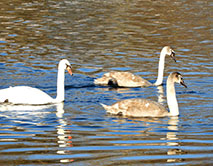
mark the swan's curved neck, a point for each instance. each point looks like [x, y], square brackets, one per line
[171, 97]
[60, 85]
[159, 80]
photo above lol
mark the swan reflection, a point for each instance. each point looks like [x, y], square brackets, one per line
[161, 97]
[16, 107]
[64, 138]
[172, 139]
[36, 115]
[145, 128]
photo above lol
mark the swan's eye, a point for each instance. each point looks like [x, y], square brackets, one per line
[68, 66]
[181, 78]
[172, 52]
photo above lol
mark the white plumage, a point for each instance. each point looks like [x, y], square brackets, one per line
[34, 96]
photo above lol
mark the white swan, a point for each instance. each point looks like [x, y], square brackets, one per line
[148, 108]
[127, 79]
[34, 96]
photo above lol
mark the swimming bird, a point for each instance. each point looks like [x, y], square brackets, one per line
[127, 79]
[148, 108]
[34, 96]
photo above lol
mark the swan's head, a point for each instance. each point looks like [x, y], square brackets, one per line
[178, 78]
[65, 65]
[167, 50]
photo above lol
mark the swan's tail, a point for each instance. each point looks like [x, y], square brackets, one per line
[101, 81]
[103, 105]
[112, 110]
[106, 107]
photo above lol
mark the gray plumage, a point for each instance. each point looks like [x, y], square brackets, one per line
[127, 79]
[148, 108]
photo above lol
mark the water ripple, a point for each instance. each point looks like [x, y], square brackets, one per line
[97, 37]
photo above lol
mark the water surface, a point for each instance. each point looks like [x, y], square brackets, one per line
[98, 36]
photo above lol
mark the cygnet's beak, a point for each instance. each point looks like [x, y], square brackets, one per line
[182, 83]
[69, 70]
[173, 56]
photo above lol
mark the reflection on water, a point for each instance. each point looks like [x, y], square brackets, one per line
[97, 37]
[171, 136]
[64, 136]
[161, 97]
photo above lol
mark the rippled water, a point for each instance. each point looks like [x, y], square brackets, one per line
[97, 36]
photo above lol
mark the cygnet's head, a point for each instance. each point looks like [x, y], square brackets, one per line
[178, 78]
[167, 50]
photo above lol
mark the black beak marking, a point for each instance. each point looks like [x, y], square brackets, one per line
[182, 83]
[173, 56]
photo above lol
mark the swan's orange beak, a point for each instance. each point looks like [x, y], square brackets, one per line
[69, 70]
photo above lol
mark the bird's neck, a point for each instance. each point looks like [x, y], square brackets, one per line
[159, 80]
[60, 85]
[171, 98]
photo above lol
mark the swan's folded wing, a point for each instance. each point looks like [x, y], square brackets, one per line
[137, 108]
[122, 79]
[24, 95]
[127, 79]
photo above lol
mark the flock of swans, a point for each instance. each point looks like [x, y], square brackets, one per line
[25, 95]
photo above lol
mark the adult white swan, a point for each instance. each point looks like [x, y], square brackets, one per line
[127, 79]
[148, 108]
[34, 96]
